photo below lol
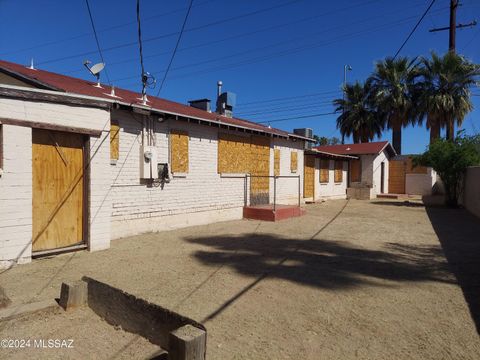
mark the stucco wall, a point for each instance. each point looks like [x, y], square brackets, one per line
[330, 190]
[16, 180]
[471, 194]
[382, 157]
[420, 184]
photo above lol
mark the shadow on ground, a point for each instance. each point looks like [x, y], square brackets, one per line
[323, 263]
[459, 234]
[407, 203]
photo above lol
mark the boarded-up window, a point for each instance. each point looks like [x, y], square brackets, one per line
[276, 162]
[179, 151]
[114, 140]
[338, 171]
[293, 161]
[355, 170]
[324, 171]
[233, 153]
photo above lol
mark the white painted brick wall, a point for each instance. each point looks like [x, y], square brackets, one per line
[330, 190]
[287, 188]
[16, 181]
[200, 197]
[16, 196]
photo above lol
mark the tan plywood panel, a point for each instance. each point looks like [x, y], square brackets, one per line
[338, 174]
[293, 161]
[233, 153]
[324, 171]
[57, 184]
[114, 140]
[355, 170]
[179, 151]
[309, 177]
[396, 176]
[276, 162]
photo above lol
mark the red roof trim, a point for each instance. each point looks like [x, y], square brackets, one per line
[88, 88]
[358, 149]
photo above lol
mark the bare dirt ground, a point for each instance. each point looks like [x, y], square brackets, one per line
[356, 280]
[79, 334]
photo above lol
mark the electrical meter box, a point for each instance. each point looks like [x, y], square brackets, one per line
[148, 162]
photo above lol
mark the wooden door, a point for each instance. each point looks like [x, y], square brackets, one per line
[309, 177]
[355, 170]
[260, 166]
[58, 184]
[396, 176]
[382, 177]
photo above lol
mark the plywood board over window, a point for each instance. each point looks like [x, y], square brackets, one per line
[114, 140]
[276, 162]
[324, 171]
[355, 170]
[338, 171]
[179, 151]
[233, 153]
[293, 161]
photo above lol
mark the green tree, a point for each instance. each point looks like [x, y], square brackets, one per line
[358, 117]
[443, 94]
[450, 160]
[392, 83]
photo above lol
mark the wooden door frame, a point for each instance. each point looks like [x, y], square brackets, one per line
[85, 244]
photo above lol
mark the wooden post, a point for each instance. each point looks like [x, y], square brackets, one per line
[187, 343]
[73, 295]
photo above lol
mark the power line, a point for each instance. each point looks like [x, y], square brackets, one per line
[297, 117]
[96, 39]
[103, 30]
[175, 49]
[287, 109]
[287, 52]
[208, 43]
[214, 23]
[414, 28]
[288, 97]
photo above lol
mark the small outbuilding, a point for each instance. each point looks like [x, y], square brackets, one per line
[369, 172]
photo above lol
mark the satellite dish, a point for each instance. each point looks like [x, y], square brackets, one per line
[95, 70]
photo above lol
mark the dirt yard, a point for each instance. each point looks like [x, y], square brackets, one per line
[349, 280]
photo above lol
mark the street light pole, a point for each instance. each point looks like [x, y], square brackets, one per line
[345, 68]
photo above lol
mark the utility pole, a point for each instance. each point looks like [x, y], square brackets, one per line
[453, 25]
[345, 68]
[452, 29]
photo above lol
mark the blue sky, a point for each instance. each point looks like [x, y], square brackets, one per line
[289, 50]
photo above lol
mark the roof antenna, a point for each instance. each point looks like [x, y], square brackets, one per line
[95, 70]
[31, 67]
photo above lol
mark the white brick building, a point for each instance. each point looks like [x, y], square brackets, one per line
[78, 165]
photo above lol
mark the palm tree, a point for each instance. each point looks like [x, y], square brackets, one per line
[392, 83]
[358, 118]
[444, 96]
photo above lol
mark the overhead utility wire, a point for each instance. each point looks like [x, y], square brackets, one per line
[140, 48]
[208, 43]
[287, 52]
[414, 28]
[288, 97]
[175, 49]
[102, 30]
[96, 39]
[297, 117]
[279, 53]
[287, 109]
[214, 23]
